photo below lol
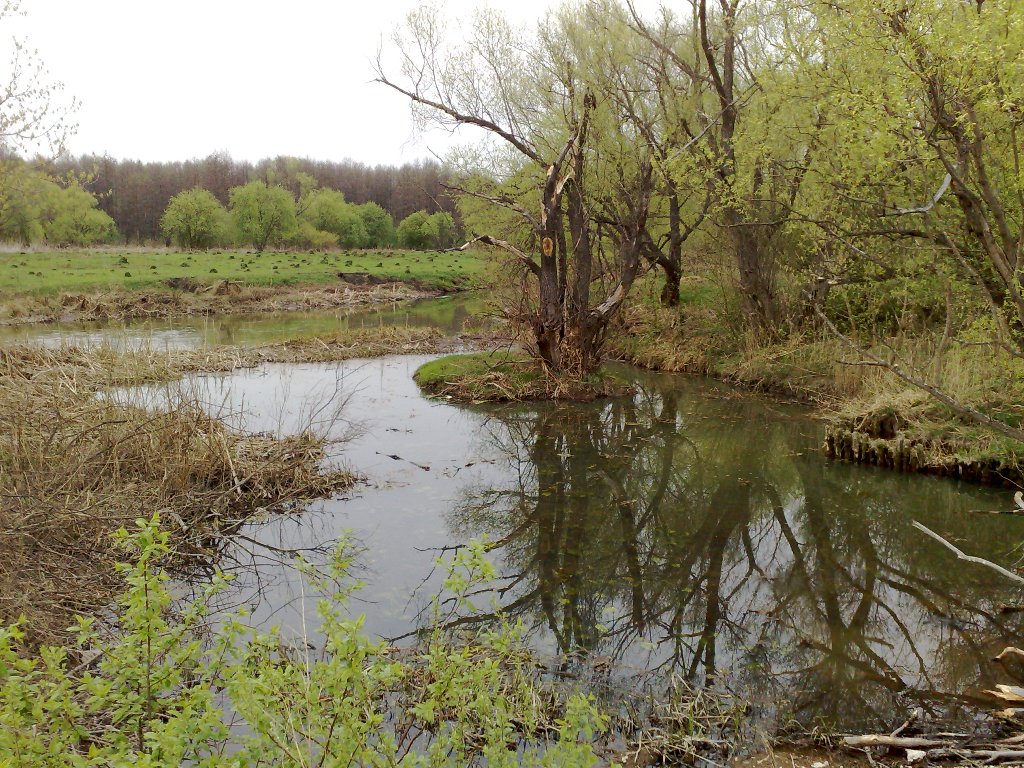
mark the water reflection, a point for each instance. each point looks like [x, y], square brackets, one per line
[686, 531]
[707, 536]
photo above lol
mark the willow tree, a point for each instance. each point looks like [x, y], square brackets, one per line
[542, 120]
[723, 139]
[924, 108]
[941, 95]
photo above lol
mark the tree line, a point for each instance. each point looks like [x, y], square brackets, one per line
[135, 195]
[836, 158]
[284, 207]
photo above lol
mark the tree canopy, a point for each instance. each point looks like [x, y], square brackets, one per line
[195, 219]
[263, 213]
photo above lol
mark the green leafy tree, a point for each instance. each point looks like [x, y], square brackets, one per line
[443, 226]
[264, 214]
[327, 211]
[24, 193]
[72, 217]
[308, 236]
[415, 231]
[195, 219]
[379, 226]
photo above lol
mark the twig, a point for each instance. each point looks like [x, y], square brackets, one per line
[968, 558]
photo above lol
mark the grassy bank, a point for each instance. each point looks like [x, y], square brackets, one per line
[43, 272]
[508, 377]
[872, 417]
[118, 284]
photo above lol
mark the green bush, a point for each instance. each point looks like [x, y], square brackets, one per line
[162, 694]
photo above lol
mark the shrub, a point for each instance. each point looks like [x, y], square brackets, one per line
[158, 694]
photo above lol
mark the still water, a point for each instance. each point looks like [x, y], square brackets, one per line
[450, 314]
[689, 530]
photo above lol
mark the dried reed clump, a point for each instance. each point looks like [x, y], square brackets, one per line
[76, 466]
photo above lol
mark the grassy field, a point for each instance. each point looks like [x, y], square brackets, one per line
[48, 272]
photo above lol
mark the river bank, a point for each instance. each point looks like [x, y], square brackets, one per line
[871, 417]
[689, 527]
[108, 284]
[79, 463]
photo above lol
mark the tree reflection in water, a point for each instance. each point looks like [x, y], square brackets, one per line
[707, 537]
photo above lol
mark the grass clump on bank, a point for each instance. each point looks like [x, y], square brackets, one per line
[509, 377]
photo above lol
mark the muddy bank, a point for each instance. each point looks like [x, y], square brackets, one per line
[907, 454]
[184, 297]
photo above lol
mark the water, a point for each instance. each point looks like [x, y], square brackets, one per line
[689, 530]
[450, 314]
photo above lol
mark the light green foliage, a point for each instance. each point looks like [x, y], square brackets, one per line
[379, 226]
[264, 214]
[195, 219]
[24, 194]
[414, 231]
[307, 236]
[327, 211]
[421, 230]
[915, 92]
[71, 217]
[159, 693]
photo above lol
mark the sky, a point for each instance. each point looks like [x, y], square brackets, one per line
[173, 80]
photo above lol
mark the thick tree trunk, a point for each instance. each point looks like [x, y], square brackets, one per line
[757, 289]
[670, 291]
[673, 264]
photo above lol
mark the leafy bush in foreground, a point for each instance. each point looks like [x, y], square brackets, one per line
[162, 693]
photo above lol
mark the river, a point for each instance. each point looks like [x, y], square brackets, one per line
[690, 530]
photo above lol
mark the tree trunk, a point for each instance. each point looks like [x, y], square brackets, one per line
[757, 288]
[673, 264]
[670, 291]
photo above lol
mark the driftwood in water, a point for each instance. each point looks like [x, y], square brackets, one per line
[969, 558]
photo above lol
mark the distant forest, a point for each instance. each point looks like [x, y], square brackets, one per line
[135, 194]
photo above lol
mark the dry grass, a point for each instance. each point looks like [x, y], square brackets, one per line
[75, 466]
[221, 297]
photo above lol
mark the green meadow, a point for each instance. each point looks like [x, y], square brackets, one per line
[45, 272]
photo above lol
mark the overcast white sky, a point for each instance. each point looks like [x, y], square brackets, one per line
[182, 79]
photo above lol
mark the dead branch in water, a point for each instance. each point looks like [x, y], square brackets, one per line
[969, 558]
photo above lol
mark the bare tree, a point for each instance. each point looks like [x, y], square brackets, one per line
[33, 113]
[530, 96]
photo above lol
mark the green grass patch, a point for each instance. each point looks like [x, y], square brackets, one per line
[510, 377]
[48, 272]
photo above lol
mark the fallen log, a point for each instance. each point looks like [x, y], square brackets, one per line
[894, 742]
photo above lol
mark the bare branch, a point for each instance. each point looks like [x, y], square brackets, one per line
[503, 245]
[962, 409]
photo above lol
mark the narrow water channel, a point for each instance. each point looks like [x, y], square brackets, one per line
[450, 314]
[689, 530]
